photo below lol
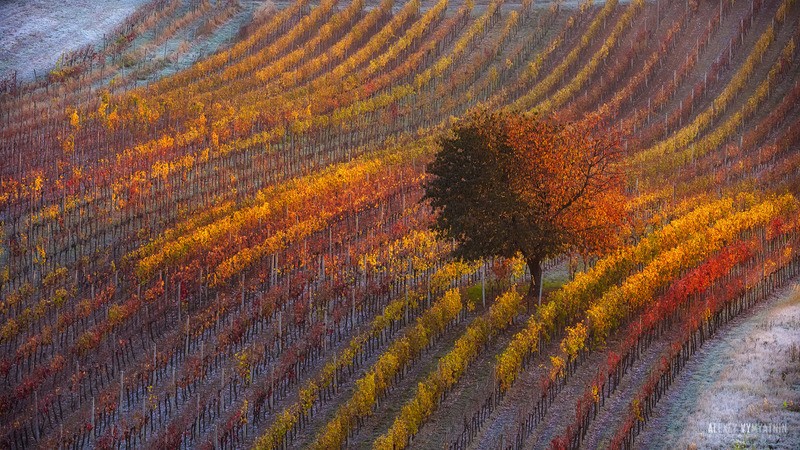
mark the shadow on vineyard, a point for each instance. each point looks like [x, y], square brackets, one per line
[388, 224]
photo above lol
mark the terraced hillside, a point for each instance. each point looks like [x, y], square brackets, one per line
[213, 232]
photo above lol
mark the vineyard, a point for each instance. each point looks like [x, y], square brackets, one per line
[214, 230]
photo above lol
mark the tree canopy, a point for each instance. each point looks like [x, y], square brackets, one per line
[506, 183]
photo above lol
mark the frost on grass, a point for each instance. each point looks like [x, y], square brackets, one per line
[34, 33]
[742, 389]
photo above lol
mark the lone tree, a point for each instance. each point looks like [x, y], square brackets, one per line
[504, 183]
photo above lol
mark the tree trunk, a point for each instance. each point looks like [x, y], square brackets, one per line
[535, 267]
